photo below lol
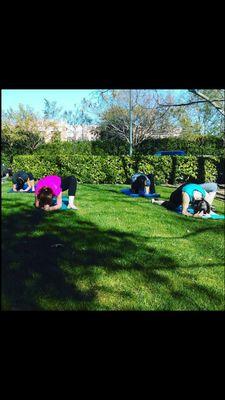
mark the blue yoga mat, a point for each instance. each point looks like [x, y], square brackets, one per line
[24, 187]
[212, 215]
[65, 200]
[11, 191]
[65, 203]
[128, 192]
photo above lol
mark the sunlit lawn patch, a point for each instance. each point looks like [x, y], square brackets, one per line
[117, 253]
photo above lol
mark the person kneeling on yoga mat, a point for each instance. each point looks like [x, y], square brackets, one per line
[23, 181]
[141, 183]
[200, 196]
[51, 186]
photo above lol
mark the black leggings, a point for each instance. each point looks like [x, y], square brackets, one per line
[69, 183]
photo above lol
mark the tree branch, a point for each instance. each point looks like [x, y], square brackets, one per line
[207, 99]
[189, 103]
[212, 102]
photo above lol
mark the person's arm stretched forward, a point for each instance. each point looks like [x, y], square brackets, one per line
[57, 206]
[185, 204]
[36, 202]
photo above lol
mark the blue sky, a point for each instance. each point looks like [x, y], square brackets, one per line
[11, 98]
[65, 98]
[35, 97]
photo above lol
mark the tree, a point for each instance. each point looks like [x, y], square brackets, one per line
[51, 111]
[70, 117]
[56, 137]
[9, 140]
[131, 116]
[205, 106]
[214, 97]
[24, 118]
[15, 141]
[78, 116]
[22, 131]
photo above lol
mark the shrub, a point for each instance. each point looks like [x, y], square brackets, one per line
[186, 169]
[38, 165]
[6, 160]
[197, 145]
[211, 168]
[119, 169]
[69, 148]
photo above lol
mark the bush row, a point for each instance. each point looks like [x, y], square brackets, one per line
[119, 169]
[192, 144]
[6, 160]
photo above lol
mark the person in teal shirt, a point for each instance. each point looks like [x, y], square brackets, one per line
[191, 188]
[186, 195]
[189, 193]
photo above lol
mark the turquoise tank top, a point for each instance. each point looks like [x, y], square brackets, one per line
[191, 187]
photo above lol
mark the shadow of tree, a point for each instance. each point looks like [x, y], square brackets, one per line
[34, 269]
[172, 177]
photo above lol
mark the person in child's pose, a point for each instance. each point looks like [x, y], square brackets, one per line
[53, 186]
[141, 182]
[23, 181]
[190, 193]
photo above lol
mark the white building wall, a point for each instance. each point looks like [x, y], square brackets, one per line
[68, 132]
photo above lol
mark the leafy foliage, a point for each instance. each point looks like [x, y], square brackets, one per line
[51, 111]
[118, 169]
[192, 144]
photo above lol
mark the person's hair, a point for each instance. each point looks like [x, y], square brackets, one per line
[139, 184]
[45, 196]
[201, 205]
[141, 181]
[20, 182]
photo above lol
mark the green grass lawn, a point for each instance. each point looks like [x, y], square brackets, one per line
[118, 253]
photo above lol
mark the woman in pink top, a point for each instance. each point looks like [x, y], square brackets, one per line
[51, 186]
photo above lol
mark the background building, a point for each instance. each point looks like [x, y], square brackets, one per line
[67, 132]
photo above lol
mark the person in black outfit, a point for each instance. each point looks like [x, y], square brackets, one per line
[23, 181]
[142, 183]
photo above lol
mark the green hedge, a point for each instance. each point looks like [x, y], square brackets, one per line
[192, 144]
[115, 169]
[6, 160]
[195, 145]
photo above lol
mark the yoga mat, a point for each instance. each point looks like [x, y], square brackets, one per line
[24, 187]
[11, 191]
[128, 192]
[212, 215]
[65, 202]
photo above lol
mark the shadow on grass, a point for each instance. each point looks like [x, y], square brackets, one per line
[34, 269]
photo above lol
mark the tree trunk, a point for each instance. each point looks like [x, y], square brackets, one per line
[131, 127]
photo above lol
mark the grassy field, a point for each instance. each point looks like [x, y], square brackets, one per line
[117, 253]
